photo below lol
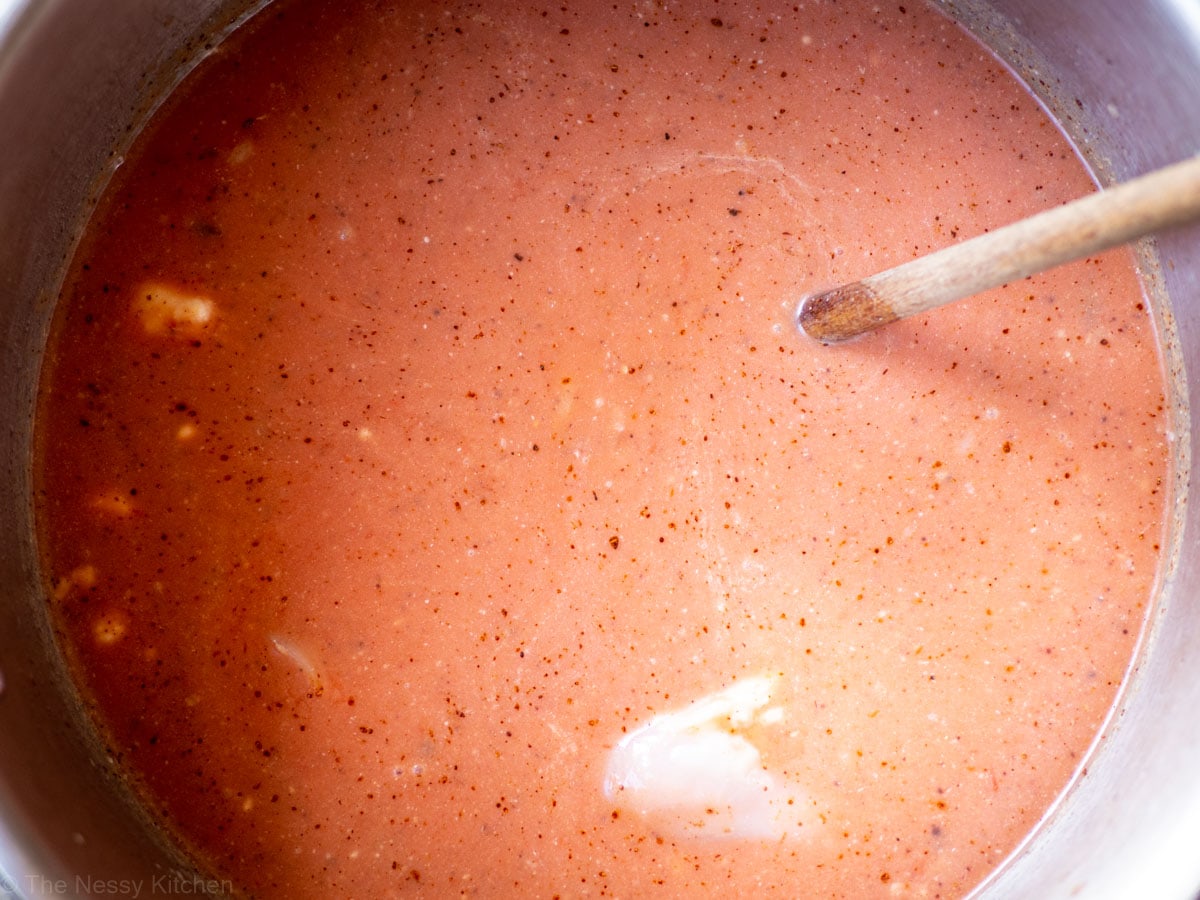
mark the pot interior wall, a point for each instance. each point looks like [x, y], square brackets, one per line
[1120, 76]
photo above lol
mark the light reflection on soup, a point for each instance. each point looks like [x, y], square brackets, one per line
[435, 495]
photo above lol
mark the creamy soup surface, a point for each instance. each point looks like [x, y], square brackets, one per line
[436, 496]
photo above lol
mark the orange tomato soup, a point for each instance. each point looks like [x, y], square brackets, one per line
[436, 496]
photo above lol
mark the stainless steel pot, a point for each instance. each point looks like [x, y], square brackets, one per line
[76, 76]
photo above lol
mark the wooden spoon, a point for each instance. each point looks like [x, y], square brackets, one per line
[1161, 199]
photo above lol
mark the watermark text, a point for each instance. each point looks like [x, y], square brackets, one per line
[170, 884]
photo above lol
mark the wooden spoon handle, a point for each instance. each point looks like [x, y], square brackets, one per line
[1162, 199]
